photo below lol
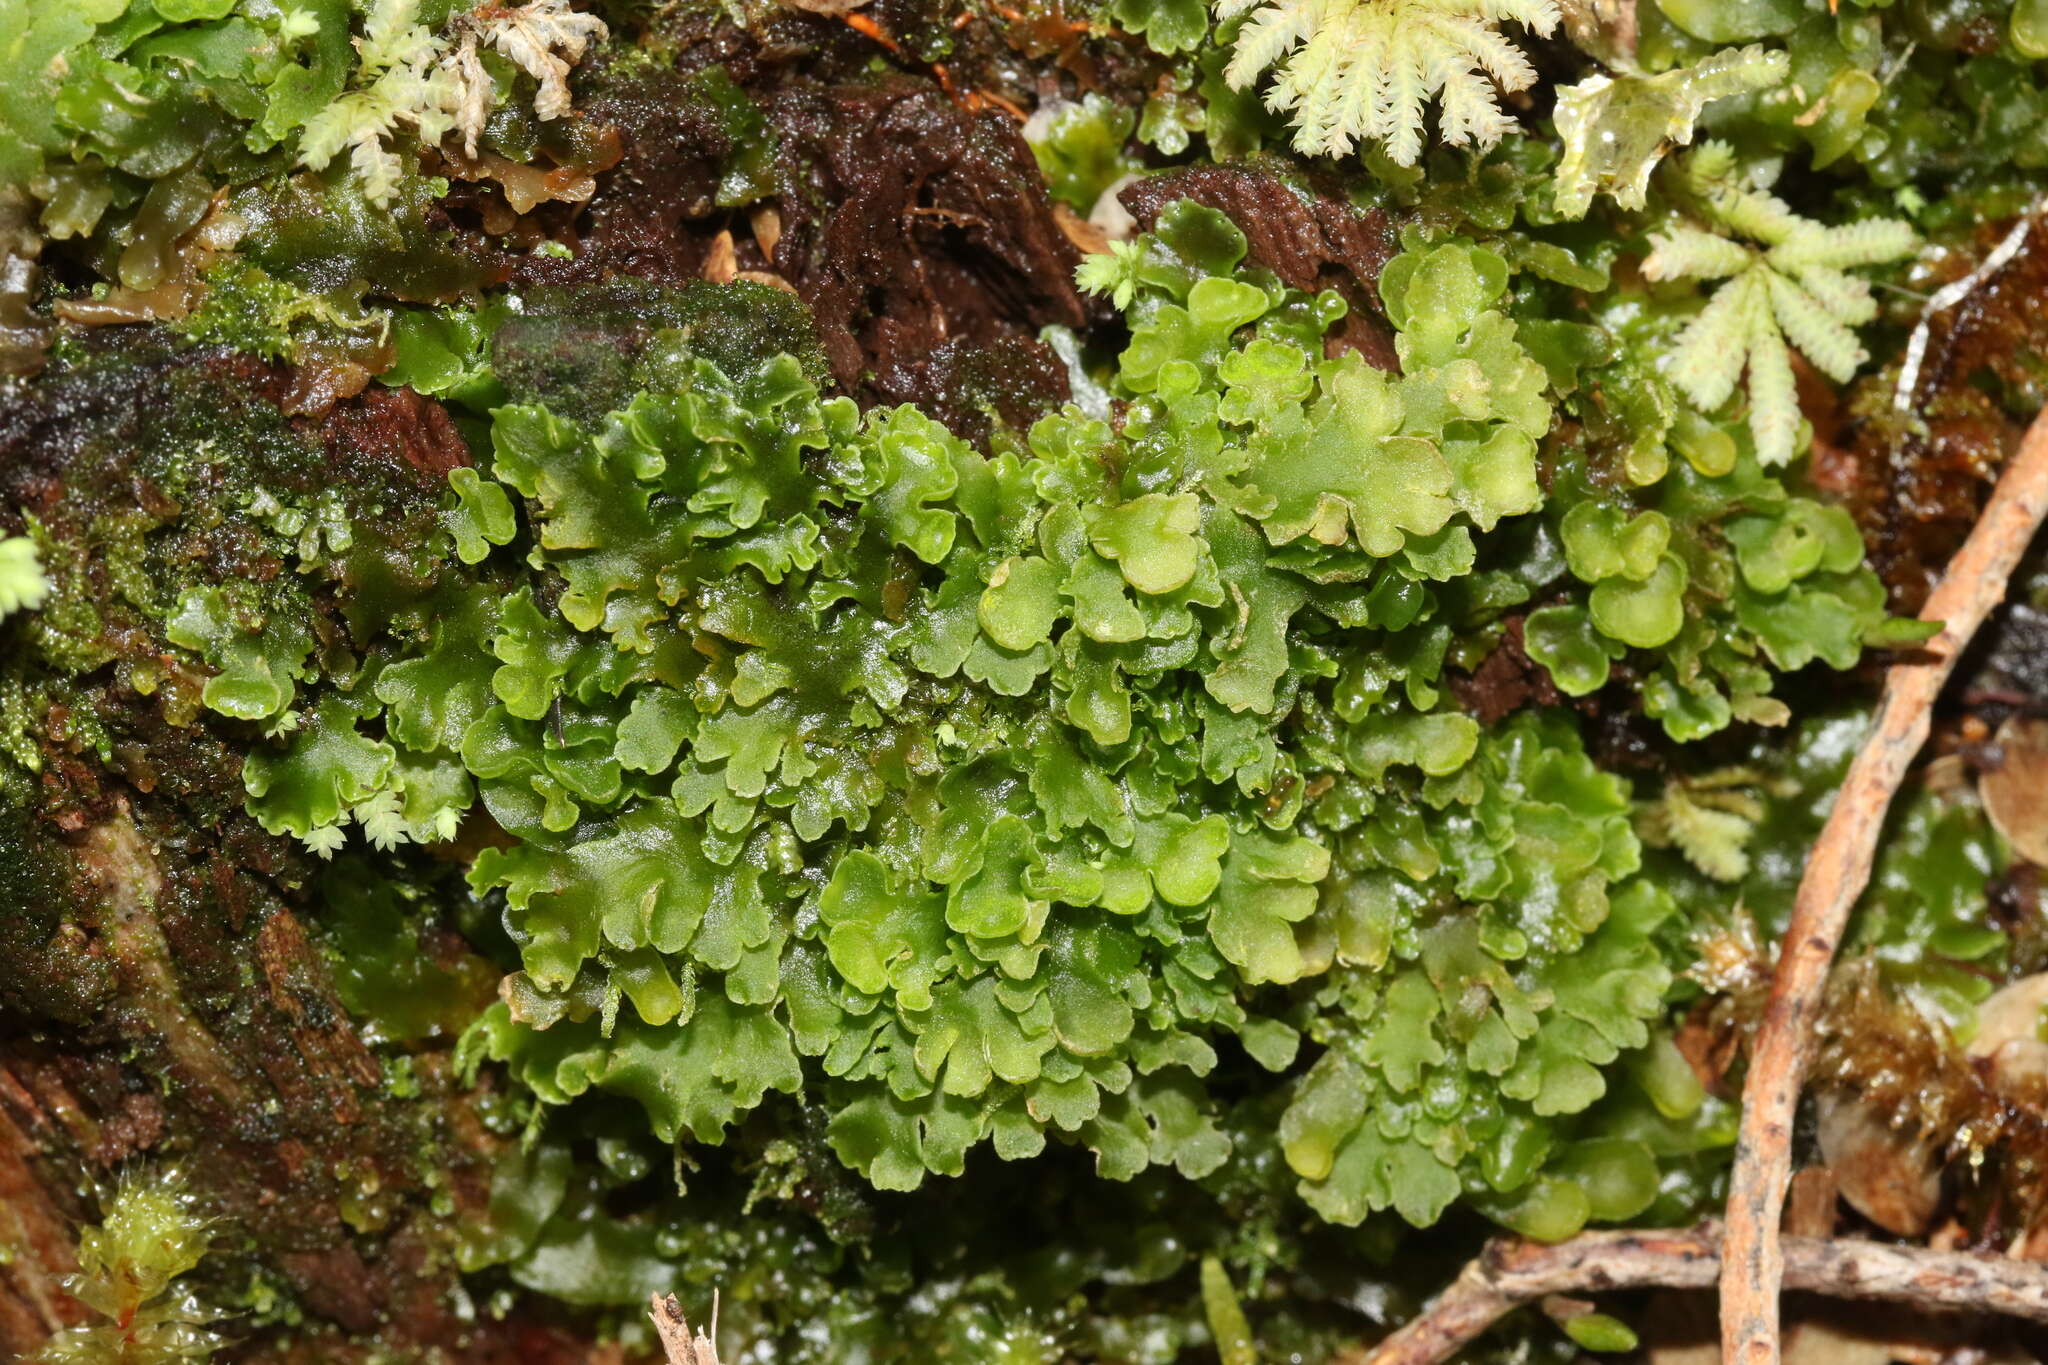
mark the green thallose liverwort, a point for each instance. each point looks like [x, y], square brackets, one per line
[2030, 28]
[1720, 579]
[980, 826]
[985, 797]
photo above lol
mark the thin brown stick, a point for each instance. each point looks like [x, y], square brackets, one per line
[1836, 872]
[1511, 1272]
[678, 1342]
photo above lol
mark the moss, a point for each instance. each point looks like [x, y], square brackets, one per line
[128, 1268]
[580, 348]
[291, 1032]
[324, 237]
[247, 309]
[406, 980]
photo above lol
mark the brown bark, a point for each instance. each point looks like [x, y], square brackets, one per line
[219, 1042]
[35, 1227]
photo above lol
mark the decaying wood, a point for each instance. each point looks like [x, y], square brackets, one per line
[118, 861]
[1836, 872]
[683, 1346]
[1512, 1272]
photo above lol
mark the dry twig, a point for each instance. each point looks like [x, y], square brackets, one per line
[1836, 872]
[683, 1346]
[1512, 1272]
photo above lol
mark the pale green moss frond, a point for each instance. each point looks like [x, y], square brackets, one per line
[1788, 285]
[1713, 169]
[1710, 819]
[1870, 242]
[1820, 337]
[1687, 253]
[1113, 273]
[1773, 394]
[409, 78]
[382, 817]
[1761, 217]
[1364, 70]
[1708, 360]
[543, 38]
[325, 840]
[22, 584]
[127, 1269]
[1845, 296]
[398, 85]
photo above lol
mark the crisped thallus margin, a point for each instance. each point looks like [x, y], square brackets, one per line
[1755, 1262]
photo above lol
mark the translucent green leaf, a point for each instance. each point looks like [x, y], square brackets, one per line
[1645, 614]
[1228, 1326]
[1616, 129]
[1564, 641]
[1152, 539]
[1021, 603]
[1599, 1332]
[481, 518]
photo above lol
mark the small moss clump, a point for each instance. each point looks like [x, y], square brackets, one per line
[127, 1272]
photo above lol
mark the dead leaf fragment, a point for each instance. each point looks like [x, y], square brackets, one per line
[721, 262]
[526, 187]
[1810, 1203]
[2015, 792]
[1888, 1174]
[767, 225]
[1604, 28]
[1087, 238]
[2009, 1032]
[767, 277]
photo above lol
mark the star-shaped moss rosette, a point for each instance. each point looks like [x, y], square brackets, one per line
[1348, 71]
[1787, 285]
